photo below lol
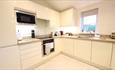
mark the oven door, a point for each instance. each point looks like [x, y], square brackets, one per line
[48, 46]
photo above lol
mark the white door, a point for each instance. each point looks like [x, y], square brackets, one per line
[83, 49]
[10, 58]
[58, 45]
[101, 53]
[68, 46]
[113, 58]
[31, 54]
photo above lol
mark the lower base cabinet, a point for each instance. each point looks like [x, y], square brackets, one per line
[24, 56]
[31, 54]
[101, 53]
[58, 45]
[83, 49]
[10, 58]
[68, 46]
[113, 58]
[96, 52]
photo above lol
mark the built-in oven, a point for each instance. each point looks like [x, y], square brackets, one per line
[48, 46]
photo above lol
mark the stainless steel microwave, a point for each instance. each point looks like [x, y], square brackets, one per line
[25, 18]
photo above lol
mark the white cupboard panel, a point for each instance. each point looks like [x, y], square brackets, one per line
[68, 17]
[113, 58]
[31, 61]
[101, 53]
[31, 54]
[68, 46]
[7, 24]
[58, 45]
[10, 58]
[83, 49]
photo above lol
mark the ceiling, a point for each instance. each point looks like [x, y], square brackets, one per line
[61, 5]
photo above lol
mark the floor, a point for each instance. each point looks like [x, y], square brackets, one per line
[62, 62]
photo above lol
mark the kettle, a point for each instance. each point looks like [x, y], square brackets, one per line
[61, 33]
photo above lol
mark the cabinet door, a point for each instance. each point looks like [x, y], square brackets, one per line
[113, 58]
[54, 18]
[25, 5]
[10, 58]
[7, 24]
[101, 53]
[42, 12]
[68, 17]
[83, 49]
[58, 44]
[31, 54]
[68, 46]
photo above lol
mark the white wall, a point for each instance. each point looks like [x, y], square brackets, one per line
[106, 16]
[25, 29]
[43, 26]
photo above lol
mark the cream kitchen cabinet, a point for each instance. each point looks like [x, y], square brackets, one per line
[101, 53]
[68, 46]
[25, 5]
[54, 18]
[31, 54]
[7, 24]
[42, 12]
[83, 49]
[10, 58]
[113, 58]
[58, 45]
[69, 17]
[48, 14]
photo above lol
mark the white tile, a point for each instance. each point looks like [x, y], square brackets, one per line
[62, 62]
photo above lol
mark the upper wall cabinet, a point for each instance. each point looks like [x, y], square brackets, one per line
[54, 18]
[49, 14]
[7, 24]
[26, 5]
[69, 17]
[42, 12]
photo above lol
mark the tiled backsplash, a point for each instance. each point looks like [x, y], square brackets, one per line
[25, 30]
[71, 29]
[42, 28]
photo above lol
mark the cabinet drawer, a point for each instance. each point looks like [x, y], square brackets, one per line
[31, 61]
[31, 50]
[31, 54]
[29, 46]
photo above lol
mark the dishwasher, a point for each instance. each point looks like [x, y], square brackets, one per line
[48, 46]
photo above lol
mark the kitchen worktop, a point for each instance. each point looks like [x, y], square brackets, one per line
[105, 39]
[28, 40]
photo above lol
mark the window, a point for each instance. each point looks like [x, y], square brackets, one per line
[89, 20]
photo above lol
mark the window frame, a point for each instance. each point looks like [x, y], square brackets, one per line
[88, 13]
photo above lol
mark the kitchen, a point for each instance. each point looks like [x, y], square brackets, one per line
[18, 51]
